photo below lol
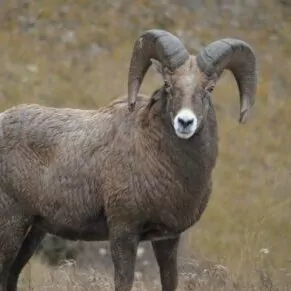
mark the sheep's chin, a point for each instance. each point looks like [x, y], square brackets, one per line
[183, 135]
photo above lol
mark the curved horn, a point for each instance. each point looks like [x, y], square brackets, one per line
[238, 57]
[153, 44]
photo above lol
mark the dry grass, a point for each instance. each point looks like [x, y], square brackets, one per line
[206, 277]
[76, 54]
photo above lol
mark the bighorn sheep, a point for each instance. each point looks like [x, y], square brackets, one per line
[138, 169]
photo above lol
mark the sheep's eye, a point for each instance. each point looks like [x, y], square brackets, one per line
[210, 89]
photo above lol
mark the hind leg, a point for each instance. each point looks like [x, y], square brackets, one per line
[29, 245]
[13, 228]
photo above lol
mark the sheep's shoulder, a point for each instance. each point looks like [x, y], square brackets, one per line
[47, 129]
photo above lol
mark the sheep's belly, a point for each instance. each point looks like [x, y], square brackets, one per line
[93, 231]
[158, 231]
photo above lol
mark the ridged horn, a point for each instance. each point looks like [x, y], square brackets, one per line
[153, 44]
[238, 57]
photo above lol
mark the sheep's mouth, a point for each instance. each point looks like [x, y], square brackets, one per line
[184, 134]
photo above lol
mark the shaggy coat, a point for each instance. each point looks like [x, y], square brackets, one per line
[106, 167]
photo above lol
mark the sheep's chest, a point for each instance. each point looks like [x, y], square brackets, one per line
[173, 198]
[163, 183]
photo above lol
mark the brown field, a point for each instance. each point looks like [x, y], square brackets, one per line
[76, 54]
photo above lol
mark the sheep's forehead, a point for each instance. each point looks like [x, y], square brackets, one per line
[188, 77]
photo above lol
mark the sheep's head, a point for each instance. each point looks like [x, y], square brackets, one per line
[189, 80]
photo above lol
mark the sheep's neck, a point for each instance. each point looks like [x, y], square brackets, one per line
[192, 155]
[182, 169]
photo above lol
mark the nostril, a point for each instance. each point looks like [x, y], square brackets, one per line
[185, 123]
[189, 122]
[181, 122]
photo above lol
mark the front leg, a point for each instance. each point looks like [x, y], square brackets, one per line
[166, 252]
[123, 243]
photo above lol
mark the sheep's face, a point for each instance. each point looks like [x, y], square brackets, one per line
[188, 91]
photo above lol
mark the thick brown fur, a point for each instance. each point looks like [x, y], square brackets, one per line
[105, 174]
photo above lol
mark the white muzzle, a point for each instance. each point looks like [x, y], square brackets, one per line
[185, 123]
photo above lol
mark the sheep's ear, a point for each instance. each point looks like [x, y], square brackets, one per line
[158, 66]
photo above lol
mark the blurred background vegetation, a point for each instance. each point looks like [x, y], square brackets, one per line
[67, 53]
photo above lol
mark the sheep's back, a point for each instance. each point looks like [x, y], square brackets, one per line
[46, 151]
